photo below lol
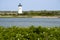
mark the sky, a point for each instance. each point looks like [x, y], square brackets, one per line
[12, 5]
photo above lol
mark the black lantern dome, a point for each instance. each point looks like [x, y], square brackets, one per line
[19, 4]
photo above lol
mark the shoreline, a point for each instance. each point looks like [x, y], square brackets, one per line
[45, 17]
[29, 16]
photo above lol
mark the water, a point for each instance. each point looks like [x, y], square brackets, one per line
[29, 21]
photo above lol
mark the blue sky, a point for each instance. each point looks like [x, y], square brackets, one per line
[12, 5]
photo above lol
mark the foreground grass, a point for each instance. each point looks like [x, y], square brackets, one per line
[30, 33]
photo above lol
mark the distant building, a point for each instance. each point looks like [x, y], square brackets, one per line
[20, 8]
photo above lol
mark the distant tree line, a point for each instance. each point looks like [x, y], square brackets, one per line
[32, 13]
[42, 13]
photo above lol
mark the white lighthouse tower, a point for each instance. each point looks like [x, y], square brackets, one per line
[20, 8]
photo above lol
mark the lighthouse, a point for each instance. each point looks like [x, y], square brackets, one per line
[20, 8]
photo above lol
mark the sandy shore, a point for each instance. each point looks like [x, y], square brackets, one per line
[45, 17]
[29, 16]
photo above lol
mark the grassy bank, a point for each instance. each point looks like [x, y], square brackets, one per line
[29, 16]
[29, 33]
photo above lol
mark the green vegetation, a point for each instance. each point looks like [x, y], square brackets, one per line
[29, 33]
[42, 13]
[31, 13]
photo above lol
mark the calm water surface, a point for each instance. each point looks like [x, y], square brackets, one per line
[29, 21]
